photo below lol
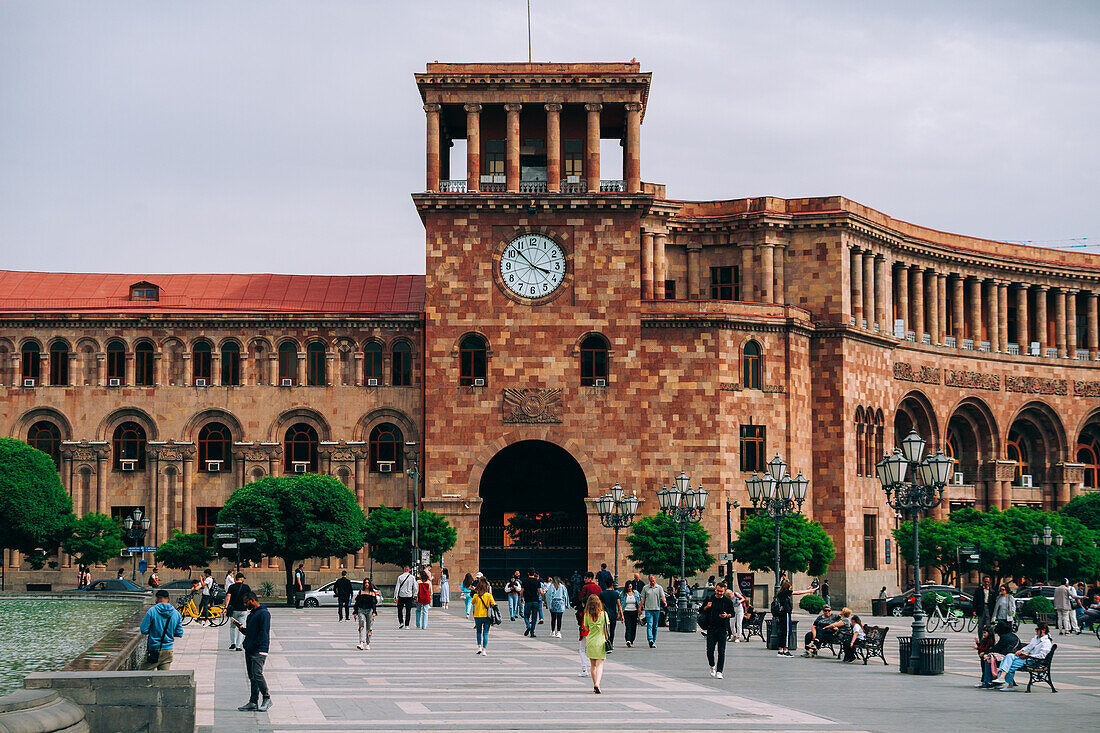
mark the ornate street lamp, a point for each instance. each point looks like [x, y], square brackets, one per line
[1043, 546]
[683, 506]
[617, 512]
[913, 486]
[777, 495]
[136, 526]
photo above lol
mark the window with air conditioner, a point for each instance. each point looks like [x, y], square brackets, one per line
[200, 382]
[385, 466]
[1025, 480]
[213, 466]
[287, 382]
[479, 382]
[28, 382]
[372, 381]
[600, 382]
[959, 480]
[114, 382]
[128, 465]
[301, 466]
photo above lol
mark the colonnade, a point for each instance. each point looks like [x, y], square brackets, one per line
[761, 270]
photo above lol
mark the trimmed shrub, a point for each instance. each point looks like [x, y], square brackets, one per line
[1038, 604]
[929, 600]
[811, 603]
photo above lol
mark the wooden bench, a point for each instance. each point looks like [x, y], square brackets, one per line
[1039, 670]
[874, 644]
[753, 625]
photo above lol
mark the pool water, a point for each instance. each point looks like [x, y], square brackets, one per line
[44, 635]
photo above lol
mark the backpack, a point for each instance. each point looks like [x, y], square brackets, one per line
[703, 619]
[776, 607]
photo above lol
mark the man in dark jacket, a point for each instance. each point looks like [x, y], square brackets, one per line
[257, 633]
[984, 599]
[343, 597]
[717, 612]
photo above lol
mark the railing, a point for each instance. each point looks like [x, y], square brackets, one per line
[1012, 348]
[452, 186]
[574, 186]
[851, 320]
[612, 186]
[951, 342]
[1081, 355]
[926, 339]
[532, 186]
[984, 346]
[968, 344]
[1052, 352]
[863, 324]
[911, 336]
[493, 187]
[876, 326]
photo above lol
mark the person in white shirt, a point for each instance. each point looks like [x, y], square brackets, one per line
[405, 593]
[206, 597]
[230, 578]
[1037, 648]
[1065, 604]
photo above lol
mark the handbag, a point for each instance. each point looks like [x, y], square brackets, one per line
[493, 613]
[152, 656]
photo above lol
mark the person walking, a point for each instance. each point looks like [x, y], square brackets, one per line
[366, 608]
[234, 606]
[230, 578]
[531, 589]
[423, 600]
[342, 588]
[612, 605]
[653, 600]
[737, 631]
[299, 584]
[513, 589]
[257, 640]
[468, 593]
[1004, 608]
[1065, 601]
[595, 622]
[716, 614]
[206, 597]
[154, 578]
[825, 590]
[557, 599]
[405, 593]
[984, 600]
[162, 624]
[604, 578]
[444, 588]
[483, 599]
[631, 603]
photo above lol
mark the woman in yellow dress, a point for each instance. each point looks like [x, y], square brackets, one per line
[595, 621]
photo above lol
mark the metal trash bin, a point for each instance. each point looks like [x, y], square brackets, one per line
[772, 636]
[931, 654]
[436, 603]
[878, 606]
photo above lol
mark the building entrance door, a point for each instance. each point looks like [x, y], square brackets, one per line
[533, 512]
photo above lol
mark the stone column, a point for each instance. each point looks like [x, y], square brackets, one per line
[511, 148]
[779, 263]
[1042, 327]
[592, 147]
[1021, 317]
[188, 498]
[553, 148]
[901, 284]
[958, 300]
[975, 311]
[932, 307]
[994, 307]
[748, 252]
[855, 274]
[1091, 334]
[647, 265]
[632, 153]
[73, 370]
[100, 487]
[301, 376]
[869, 289]
[941, 302]
[659, 266]
[1002, 307]
[1060, 321]
[880, 294]
[694, 290]
[767, 273]
[1071, 324]
[473, 146]
[918, 303]
[432, 154]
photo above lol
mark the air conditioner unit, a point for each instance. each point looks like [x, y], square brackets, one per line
[287, 382]
[301, 466]
[572, 179]
[959, 480]
[200, 382]
[213, 465]
[128, 465]
[601, 382]
[385, 466]
[1025, 480]
[372, 382]
[479, 382]
[114, 382]
[1034, 349]
[28, 382]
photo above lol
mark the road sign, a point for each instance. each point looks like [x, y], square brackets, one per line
[246, 540]
[425, 557]
[225, 535]
[142, 566]
[230, 545]
[225, 526]
[140, 549]
[725, 557]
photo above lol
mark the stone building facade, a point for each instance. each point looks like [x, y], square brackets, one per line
[573, 331]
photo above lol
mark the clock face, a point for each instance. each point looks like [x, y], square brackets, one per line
[532, 266]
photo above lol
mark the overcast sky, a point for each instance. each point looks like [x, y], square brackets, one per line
[273, 136]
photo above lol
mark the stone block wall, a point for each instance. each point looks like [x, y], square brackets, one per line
[126, 702]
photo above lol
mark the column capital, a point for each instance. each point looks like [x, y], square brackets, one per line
[432, 107]
[879, 257]
[1019, 286]
[513, 107]
[694, 246]
[593, 107]
[1070, 291]
[633, 106]
[472, 107]
[552, 107]
[903, 265]
[1042, 288]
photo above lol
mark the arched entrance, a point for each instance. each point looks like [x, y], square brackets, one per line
[532, 512]
[1036, 444]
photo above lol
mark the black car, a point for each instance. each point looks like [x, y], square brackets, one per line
[120, 585]
[902, 604]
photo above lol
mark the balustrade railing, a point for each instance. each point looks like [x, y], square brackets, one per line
[951, 342]
[532, 186]
[1012, 348]
[612, 186]
[968, 344]
[1081, 355]
[1052, 352]
[452, 186]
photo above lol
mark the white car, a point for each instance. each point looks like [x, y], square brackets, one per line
[326, 594]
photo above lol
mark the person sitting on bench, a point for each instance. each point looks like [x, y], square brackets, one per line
[1038, 648]
[824, 631]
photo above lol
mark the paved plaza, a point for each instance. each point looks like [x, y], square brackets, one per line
[431, 680]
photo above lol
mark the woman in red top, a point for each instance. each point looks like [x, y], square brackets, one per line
[423, 600]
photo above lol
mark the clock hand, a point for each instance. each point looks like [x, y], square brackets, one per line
[532, 264]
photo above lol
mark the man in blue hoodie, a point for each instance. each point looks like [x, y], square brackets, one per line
[257, 631]
[162, 624]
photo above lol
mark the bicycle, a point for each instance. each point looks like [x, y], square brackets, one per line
[189, 610]
[952, 619]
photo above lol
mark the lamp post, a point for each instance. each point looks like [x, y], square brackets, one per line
[413, 472]
[1043, 545]
[912, 486]
[136, 526]
[616, 512]
[777, 495]
[684, 506]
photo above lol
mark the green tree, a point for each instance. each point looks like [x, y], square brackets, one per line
[184, 552]
[804, 546]
[939, 544]
[297, 517]
[655, 547]
[35, 511]
[96, 538]
[389, 534]
[1085, 508]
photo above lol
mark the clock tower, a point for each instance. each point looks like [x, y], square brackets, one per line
[534, 389]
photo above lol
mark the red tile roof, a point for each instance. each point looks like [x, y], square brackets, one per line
[73, 292]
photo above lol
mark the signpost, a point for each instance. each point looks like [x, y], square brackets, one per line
[235, 536]
[967, 555]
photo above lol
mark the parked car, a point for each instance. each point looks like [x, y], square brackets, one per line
[113, 586]
[326, 594]
[902, 604]
[1027, 594]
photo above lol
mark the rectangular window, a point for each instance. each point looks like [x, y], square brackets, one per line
[201, 359]
[372, 364]
[143, 366]
[231, 367]
[573, 162]
[494, 157]
[670, 290]
[870, 542]
[207, 517]
[119, 513]
[724, 283]
[752, 448]
[402, 368]
[59, 367]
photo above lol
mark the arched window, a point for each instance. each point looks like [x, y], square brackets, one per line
[402, 364]
[231, 364]
[372, 364]
[116, 363]
[386, 443]
[861, 437]
[593, 361]
[59, 363]
[1016, 451]
[288, 363]
[129, 447]
[201, 363]
[1088, 453]
[32, 355]
[143, 364]
[315, 363]
[300, 449]
[472, 355]
[751, 362]
[215, 442]
[45, 436]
